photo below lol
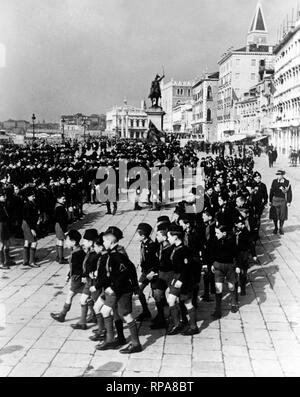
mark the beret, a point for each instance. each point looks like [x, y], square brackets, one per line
[90, 234]
[74, 235]
[145, 228]
[115, 231]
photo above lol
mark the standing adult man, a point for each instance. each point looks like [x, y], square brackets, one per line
[29, 227]
[280, 200]
[4, 231]
[61, 227]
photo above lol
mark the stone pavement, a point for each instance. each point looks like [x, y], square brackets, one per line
[262, 339]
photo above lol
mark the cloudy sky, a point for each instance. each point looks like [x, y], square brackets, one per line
[68, 56]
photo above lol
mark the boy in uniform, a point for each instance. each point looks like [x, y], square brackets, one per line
[183, 283]
[149, 265]
[75, 274]
[89, 267]
[165, 274]
[117, 276]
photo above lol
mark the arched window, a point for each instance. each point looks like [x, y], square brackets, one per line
[209, 93]
[208, 115]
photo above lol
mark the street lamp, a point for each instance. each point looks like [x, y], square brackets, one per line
[84, 127]
[63, 121]
[33, 118]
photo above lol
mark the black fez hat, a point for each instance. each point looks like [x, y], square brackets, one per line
[163, 218]
[145, 228]
[176, 229]
[90, 234]
[256, 173]
[163, 226]
[280, 172]
[74, 235]
[115, 231]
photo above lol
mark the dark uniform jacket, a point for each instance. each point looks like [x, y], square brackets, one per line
[164, 257]
[224, 250]
[244, 244]
[76, 262]
[115, 270]
[149, 257]
[90, 263]
[30, 214]
[184, 267]
[281, 189]
[207, 236]
[61, 216]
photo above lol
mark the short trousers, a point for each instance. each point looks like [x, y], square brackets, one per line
[144, 281]
[28, 236]
[60, 235]
[124, 302]
[86, 288]
[163, 281]
[76, 284]
[225, 271]
[4, 232]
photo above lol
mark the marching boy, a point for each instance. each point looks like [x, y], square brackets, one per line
[89, 267]
[75, 274]
[117, 276]
[149, 265]
[100, 332]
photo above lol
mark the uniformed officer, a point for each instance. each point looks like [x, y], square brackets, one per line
[280, 199]
[61, 227]
[29, 227]
[4, 231]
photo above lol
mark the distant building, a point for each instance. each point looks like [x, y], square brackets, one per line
[183, 117]
[241, 69]
[127, 121]
[254, 110]
[205, 94]
[286, 112]
[174, 93]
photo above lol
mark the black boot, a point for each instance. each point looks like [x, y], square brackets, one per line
[62, 315]
[243, 279]
[218, 310]
[205, 296]
[275, 231]
[145, 313]
[61, 259]
[183, 313]
[195, 296]
[6, 258]
[135, 345]
[121, 340]
[137, 207]
[108, 212]
[192, 328]
[281, 223]
[115, 208]
[32, 262]
[176, 328]
[57, 253]
[2, 266]
[159, 322]
[234, 300]
[100, 332]
[109, 342]
[26, 256]
[82, 322]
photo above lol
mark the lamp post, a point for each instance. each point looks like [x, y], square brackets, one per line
[63, 121]
[33, 118]
[84, 127]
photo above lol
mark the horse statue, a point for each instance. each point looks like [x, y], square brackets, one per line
[155, 93]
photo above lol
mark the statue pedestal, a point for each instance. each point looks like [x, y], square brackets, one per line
[156, 115]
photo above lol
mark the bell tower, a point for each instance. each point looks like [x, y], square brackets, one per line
[258, 33]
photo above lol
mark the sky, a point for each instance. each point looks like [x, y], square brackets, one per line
[70, 56]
